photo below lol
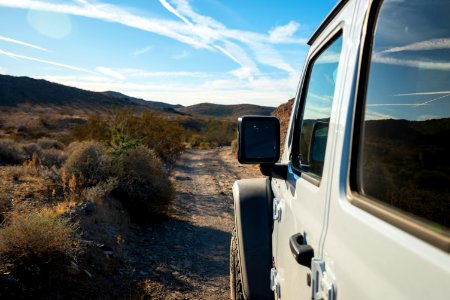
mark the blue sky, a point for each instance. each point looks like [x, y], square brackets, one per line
[176, 51]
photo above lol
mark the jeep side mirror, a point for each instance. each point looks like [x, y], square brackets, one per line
[258, 139]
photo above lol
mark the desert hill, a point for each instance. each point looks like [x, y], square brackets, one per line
[218, 110]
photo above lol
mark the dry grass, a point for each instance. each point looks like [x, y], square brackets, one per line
[37, 234]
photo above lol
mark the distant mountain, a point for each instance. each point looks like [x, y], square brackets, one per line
[155, 104]
[16, 91]
[218, 110]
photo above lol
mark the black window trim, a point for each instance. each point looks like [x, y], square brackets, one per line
[403, 220]
[299, 107]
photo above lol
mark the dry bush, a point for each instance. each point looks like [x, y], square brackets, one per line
[47, 143]
[164, 136]
[11, 152]
[37, 234]
[87, 163]
[143, 184]
[99, 192]
[30, 149]
[52, 157]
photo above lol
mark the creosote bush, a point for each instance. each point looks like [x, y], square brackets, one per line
[36, 235]
[142, 184]
[87, 164]
[159, 133]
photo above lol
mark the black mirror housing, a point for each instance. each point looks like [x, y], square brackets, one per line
[258, 139]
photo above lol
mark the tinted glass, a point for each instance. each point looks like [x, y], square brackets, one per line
[405, 159]
[260, 139]
[317, 109]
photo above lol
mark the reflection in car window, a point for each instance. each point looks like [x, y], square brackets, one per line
[317, 109]
[405, 158]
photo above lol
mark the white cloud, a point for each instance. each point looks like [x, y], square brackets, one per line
[2, 70]
[434, 44]
[424, 93]
[114, 14]
[141, 51]
[414, 63]
[53, 63]
[195, 29]
[111, 73]
[9, 40]
[373, 115]
[264, 91]
[137, 73]
[282, 33]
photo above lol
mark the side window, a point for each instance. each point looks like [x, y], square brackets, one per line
[403, 155]
[316, 104]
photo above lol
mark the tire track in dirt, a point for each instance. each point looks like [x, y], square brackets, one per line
[187, 256]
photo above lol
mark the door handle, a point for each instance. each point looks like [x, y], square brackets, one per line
[302, 252]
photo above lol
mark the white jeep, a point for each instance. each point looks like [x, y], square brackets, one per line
[358, 206]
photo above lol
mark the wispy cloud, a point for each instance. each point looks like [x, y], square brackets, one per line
[423, 93]
[137, 73]
[53, 63]
[195, 30]
[225, 40]
[434, 44]
[141, 51]
[282, 34]
[414, 63]
[111, 73]
[14, 41]
[263, 91]
[114, 14]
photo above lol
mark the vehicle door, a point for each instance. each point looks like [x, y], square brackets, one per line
[388, 235]
[300, 201]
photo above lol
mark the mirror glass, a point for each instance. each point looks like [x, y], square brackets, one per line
[260, 140]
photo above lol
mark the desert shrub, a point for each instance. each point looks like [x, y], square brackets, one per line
[37, 234]
[87, 164]
[100, 191]
[11, 152]
[52, 157]
[212, 133]
[19, 172]
[165, 137]
[162, 135]
[31, 148]
[143, 184]
[47, 143]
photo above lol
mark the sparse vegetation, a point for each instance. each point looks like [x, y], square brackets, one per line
[165, 137]
[87, 164]
[11, 153]
[143, 184]
[37, 235]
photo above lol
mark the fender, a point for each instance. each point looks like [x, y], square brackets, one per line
[253, 221]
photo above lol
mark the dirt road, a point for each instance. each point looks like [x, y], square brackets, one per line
[187, 256]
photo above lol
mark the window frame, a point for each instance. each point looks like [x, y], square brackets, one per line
[300, 104]
[408, 222]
